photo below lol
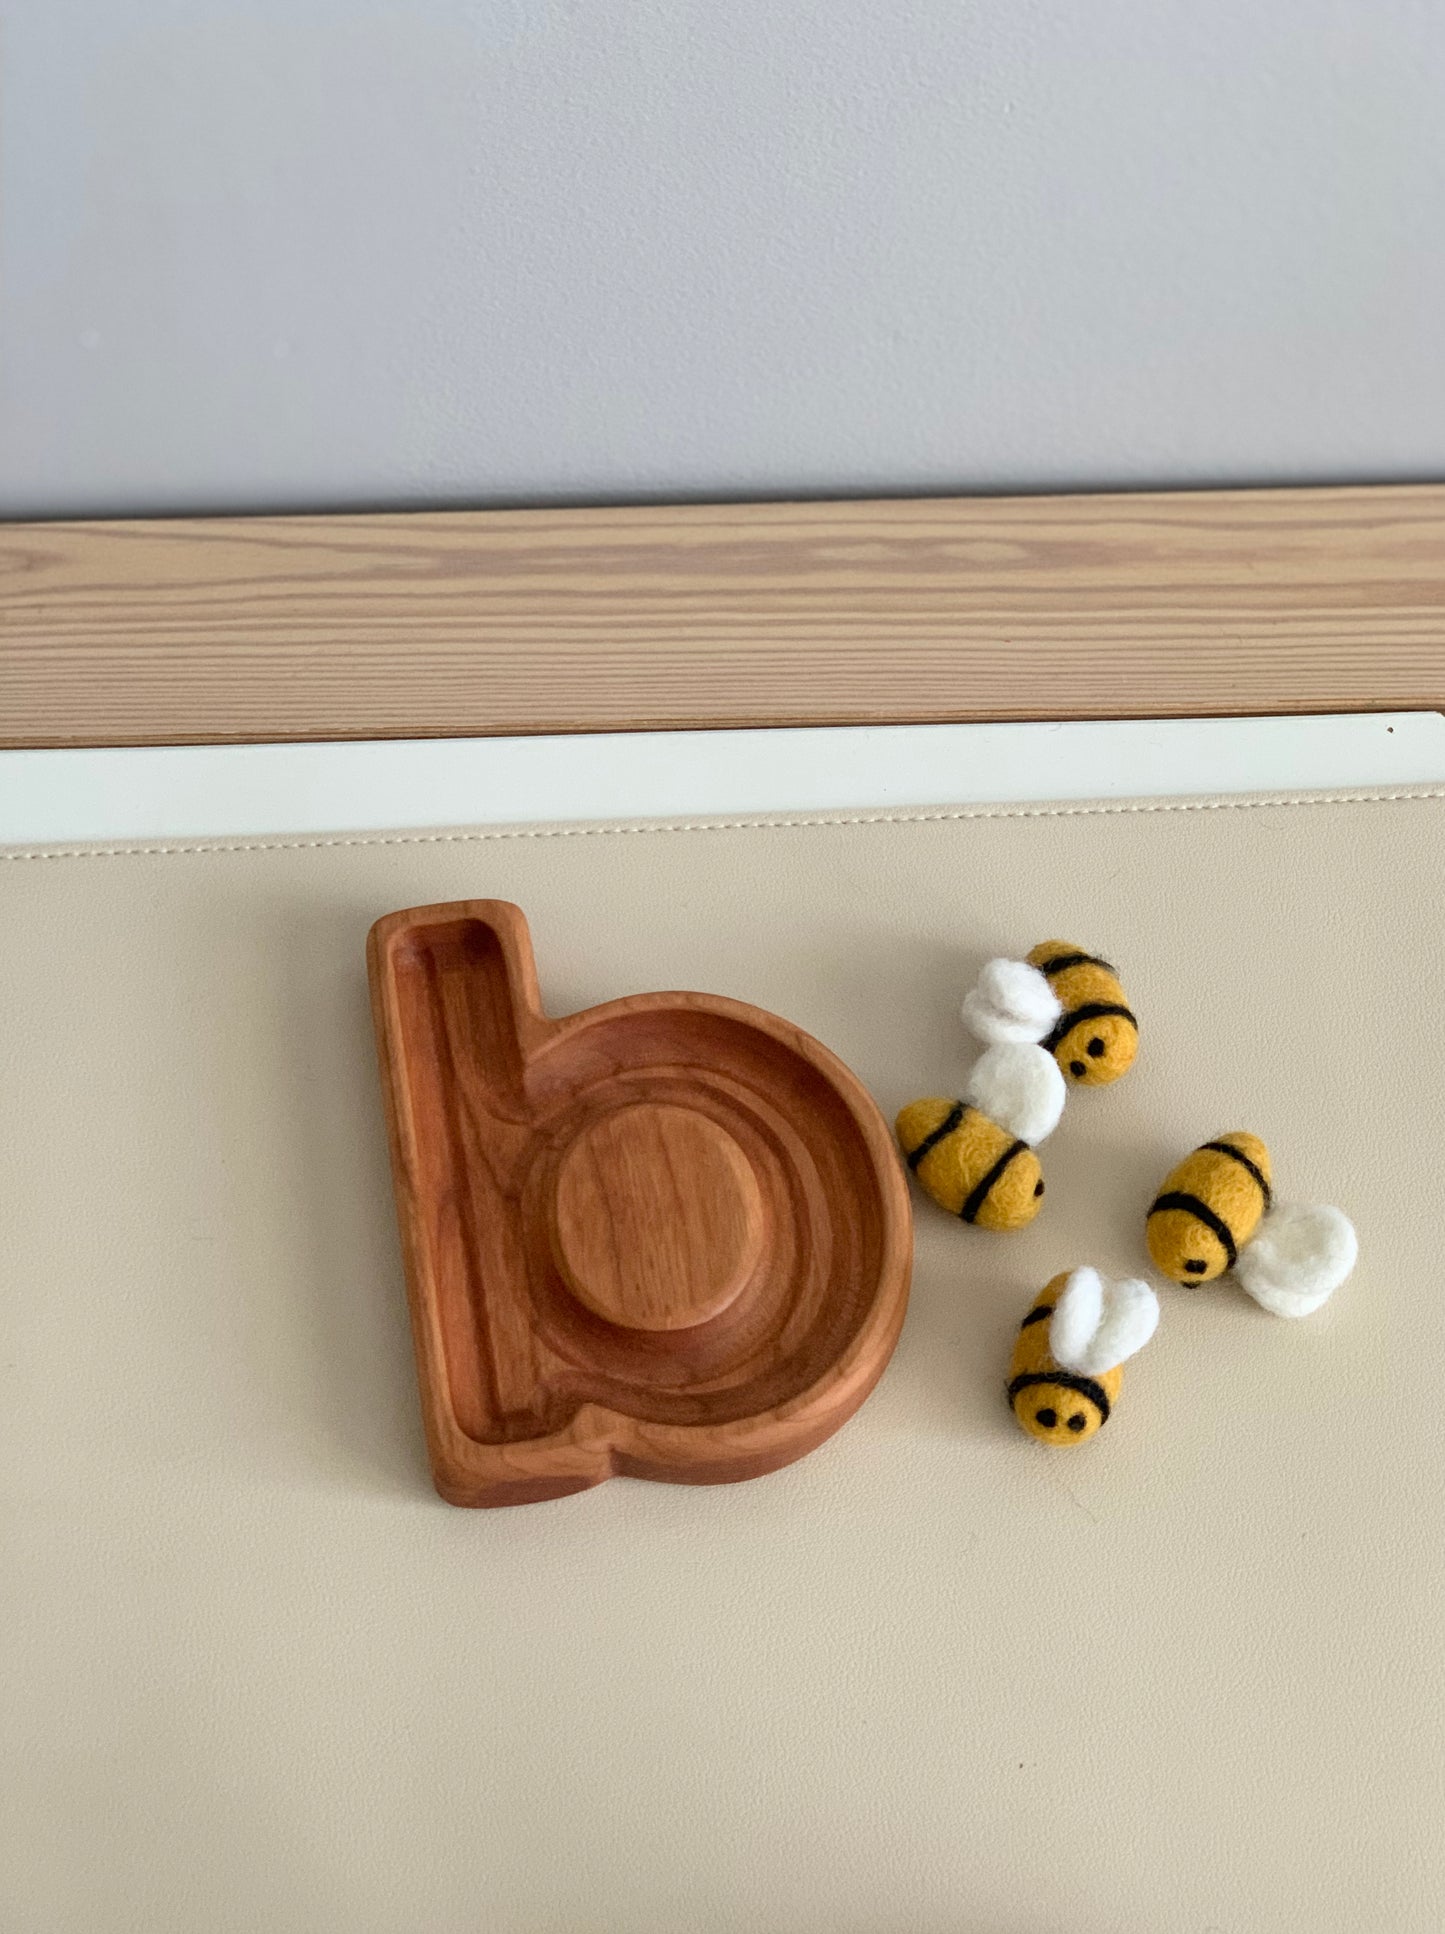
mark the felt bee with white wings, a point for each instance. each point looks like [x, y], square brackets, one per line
[1068, 1000]
[975, 1156]
[1067, 1363]
[1216, 1211]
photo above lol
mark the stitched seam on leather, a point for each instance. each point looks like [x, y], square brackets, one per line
[786, 823]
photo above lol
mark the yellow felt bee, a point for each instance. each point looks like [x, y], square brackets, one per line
[969, 1165]
[1216, 1211]
[975, 1156]
[1068, 1000]
[1067, 1369]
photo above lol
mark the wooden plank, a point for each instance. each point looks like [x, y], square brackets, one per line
[440, 624]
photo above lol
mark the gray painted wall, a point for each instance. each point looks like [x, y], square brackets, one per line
[330, 252]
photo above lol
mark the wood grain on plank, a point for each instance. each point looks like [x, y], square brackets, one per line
[442, 624]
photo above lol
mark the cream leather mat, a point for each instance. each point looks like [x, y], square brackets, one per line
[934, 1677]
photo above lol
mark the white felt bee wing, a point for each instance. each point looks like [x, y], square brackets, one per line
[1298, 1258]
[1097, 1325]
[1020, 1087]
[1010, 1001]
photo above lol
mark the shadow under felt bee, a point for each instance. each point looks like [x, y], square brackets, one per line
[1216, 1211]
[1066, 1372]
[1068, 1001]
[975, 1156]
